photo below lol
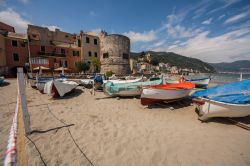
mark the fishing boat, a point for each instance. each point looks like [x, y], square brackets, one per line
[123, 81]
[128, 89]
[168, 92]
[200, 82]
[229, 100]
[87, 82]
[43, 80]
[58, 88]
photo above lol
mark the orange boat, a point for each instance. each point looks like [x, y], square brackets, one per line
[168, 92]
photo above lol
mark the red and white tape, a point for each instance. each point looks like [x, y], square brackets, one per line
[10, 156]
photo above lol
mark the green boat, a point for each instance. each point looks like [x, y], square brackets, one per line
[128, 89]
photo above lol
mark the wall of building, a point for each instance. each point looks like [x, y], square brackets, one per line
[2, 51]
[54, 42]
[6, 27]
[21, 50]
[115, 53]
[91, 49]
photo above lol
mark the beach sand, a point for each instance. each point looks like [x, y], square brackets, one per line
[112, 131]
[8, 98]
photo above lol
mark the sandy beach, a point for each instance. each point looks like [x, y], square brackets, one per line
[108, 131]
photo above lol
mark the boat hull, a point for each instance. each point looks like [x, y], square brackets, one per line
[152, 95]
[213, 108]
[200, 83]
[59, 88]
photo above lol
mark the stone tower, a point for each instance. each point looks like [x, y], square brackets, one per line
[114, 53]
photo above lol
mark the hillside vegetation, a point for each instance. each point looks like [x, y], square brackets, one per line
[180, 61]
[237, 66]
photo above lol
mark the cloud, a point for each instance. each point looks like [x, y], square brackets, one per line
[207, 22]
[227, 47]
[52, 27]
[236, 18]
[176, 30]
[11, 17]
[227, 3]
[221, 16]
[141, 37]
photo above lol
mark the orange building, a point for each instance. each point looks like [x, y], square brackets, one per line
[53, 49]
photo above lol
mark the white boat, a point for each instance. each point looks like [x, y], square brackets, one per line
[170, 81]
[167, 92]
[209, 108]
[41, 83]
[200, 82]
[123, 81]
[59, 88]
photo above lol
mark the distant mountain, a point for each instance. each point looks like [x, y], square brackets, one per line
[180, 61]
[237, 66]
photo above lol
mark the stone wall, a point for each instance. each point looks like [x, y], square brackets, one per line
[114, 53]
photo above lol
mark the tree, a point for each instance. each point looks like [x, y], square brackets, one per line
[96, 63]
[154, 61]
[82, 66]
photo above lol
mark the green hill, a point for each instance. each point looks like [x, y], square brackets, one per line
[180, 61]
[237, 66]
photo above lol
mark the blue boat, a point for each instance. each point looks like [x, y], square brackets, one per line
[1, 80]
[229, 100]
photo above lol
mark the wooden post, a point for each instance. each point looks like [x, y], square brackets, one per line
[22, 95]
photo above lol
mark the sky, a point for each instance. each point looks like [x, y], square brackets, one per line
[210, 30]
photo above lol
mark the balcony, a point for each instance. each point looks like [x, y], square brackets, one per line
[52, 54]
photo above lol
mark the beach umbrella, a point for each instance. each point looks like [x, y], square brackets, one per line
[62, 68]
[41, 67]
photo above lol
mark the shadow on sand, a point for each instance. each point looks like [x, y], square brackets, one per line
[172, 105]
[4, 84]
[72, 94]
[244, 120]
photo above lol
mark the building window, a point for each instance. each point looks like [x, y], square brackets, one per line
[16, 57]
[76, 53]
[90, 54]
[23, 44]
[63, 51]
[105, 55]
[95, 41]
[89, 62]
[87, 39]
[65, 63]
[95, 54]
[79, 43]
[55, 60]
[125, 56]
[42, 48]
[14, 43]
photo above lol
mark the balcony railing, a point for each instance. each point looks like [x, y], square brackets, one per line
[52, 54]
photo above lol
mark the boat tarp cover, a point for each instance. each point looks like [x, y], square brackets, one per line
[233, 93]
[113, 88]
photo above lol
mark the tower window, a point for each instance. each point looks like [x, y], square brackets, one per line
[125, 56]
[105, 55]
[90, 54]
[95, 54]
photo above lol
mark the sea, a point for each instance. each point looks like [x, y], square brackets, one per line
[223, 78]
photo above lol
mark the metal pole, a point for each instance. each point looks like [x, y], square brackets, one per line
[22, 95]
